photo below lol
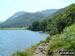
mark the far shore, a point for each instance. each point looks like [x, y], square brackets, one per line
[21, 28]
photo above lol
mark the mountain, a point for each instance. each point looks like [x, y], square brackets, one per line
[22, 18]
[16, 15]
[48, 11]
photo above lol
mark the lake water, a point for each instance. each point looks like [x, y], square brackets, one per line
[18, 40]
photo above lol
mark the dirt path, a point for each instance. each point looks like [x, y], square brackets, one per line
[41, 50]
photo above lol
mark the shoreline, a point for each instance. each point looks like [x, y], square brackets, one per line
[22, 28]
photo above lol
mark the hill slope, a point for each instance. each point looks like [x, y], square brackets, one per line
[48, 11]
[17, 14]
[22, 19]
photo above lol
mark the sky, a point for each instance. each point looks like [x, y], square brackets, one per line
[9, 7]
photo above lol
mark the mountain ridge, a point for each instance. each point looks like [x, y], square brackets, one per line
[22, 18]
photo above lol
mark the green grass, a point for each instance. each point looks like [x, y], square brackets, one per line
[19, 53]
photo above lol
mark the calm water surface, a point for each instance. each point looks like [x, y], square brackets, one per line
[18, 40]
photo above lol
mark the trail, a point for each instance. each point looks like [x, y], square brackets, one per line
[41, 50]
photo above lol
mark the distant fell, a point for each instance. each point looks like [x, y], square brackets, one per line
[22, 18]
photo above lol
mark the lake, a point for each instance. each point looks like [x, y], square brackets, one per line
[18, 40]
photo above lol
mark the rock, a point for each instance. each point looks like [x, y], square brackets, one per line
[41, 50]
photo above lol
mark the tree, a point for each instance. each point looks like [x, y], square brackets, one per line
[34, 26]
[43, 25]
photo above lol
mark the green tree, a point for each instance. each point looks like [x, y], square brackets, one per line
[43, 25]
[35, 26]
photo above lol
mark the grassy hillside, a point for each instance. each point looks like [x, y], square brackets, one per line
[64, 40]
[48, 11]
[22, 19]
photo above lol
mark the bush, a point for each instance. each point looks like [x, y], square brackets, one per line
[65, 40]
